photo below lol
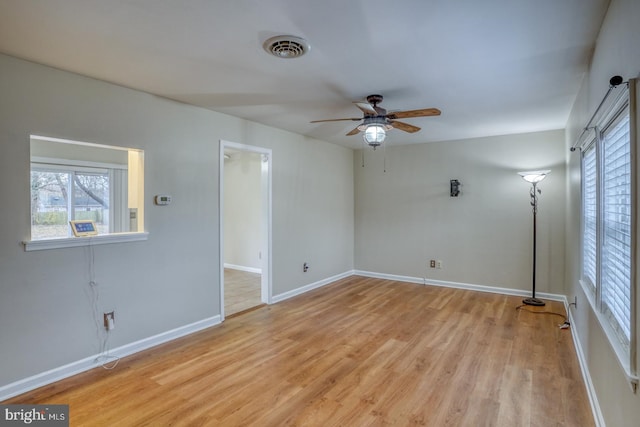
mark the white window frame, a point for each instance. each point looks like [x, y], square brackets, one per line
[117, 179]
[67, 167]
[589, 285]
[624, 349]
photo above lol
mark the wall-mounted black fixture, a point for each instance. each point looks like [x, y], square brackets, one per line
[454, 187]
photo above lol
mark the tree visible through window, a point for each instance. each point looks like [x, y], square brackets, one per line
[58, 197]
[82, 181]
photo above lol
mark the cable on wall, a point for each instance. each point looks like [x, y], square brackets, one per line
[105, 360]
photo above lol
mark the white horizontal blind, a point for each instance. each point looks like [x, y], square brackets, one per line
[589, 212]
[616, 245]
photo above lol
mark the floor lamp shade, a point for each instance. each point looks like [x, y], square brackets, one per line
[534, 177]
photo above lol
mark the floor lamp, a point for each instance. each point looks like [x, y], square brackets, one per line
[534, 177]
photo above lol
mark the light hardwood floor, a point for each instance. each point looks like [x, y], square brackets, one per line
[241, 291]
[358, 352]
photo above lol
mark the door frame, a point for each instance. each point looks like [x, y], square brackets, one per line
[266, 244]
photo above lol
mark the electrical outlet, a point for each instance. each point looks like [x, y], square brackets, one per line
[438, 264]
[109, 320]
[575, 302]
[305, 267]
[432, 263]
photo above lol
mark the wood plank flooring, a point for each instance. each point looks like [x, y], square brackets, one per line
[358, 352]
[242, 291]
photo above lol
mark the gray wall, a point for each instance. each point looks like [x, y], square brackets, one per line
[171, 280]
[243, 233]
[617, 53]
[405, 217]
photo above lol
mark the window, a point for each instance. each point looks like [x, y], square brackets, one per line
[81, 181]
[616, 225]
[606, 222]
[61, 195]
[590, 209]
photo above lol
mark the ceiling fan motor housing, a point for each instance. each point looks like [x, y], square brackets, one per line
[374, 99]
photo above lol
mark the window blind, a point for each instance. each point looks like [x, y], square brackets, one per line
[590, 212]
[616, 211]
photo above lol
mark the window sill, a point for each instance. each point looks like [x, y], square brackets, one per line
[72, 242]
[621, 353]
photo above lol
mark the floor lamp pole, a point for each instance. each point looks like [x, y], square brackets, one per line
[534, 202]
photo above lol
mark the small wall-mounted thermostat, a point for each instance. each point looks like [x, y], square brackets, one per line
[162, 199]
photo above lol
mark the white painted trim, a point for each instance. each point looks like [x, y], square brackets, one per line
[584, 368]
[622, 354]
[243, 268]
[310, 287]
[266, 285]
[67, 164]
[221, 227]
[408, 279]
[73, 242]
[459, 285]
[89, 144]
[74, 368]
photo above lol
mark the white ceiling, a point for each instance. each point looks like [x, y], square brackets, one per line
[493, 67]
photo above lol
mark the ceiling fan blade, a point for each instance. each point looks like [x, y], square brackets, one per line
[424, 112]
[354, 132]
[366, 108]
[404, 126]
[336, 120]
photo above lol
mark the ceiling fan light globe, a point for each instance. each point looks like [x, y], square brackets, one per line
[374, 135]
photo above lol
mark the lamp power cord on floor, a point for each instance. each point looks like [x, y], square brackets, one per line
[564, 325]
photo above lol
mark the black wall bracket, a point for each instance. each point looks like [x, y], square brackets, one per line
[454, 187]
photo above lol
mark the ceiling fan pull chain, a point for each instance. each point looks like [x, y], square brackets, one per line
[384, 158]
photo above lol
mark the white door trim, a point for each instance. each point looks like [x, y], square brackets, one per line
[266, 186]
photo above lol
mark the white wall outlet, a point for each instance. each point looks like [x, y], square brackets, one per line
[110, 320]
[438, 264]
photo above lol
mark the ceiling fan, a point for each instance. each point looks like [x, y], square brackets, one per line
[377, 121]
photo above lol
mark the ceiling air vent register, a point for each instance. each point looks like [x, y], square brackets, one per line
[286, 46]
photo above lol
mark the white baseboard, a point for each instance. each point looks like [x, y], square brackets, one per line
[48, 377]
[408, 279]
[460, 285]
[298, 291]
[243, 268]
[56, 374]
[584, 368]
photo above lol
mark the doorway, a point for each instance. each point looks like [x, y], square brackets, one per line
[245, 227]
